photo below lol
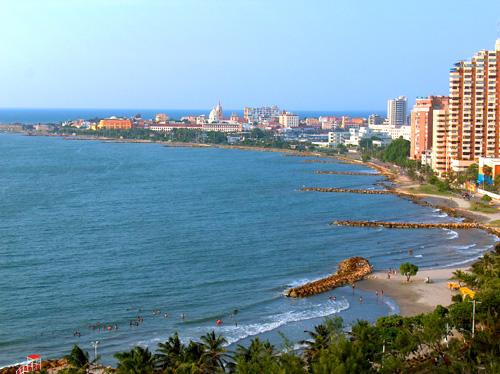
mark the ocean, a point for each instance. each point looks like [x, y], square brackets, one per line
[101, 232]
[31, 116]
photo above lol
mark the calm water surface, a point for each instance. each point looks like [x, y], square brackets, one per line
[102, 232]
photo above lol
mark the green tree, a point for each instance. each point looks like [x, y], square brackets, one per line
[321, 337]
[214, 354]
[170, 354]
[397, 152]
[78, 361]
[136, 361]
[408, 270]
[472, 172]
[259, 357]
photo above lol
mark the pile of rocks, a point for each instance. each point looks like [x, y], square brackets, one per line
[349, 271]
[347, 190]
[344, 172]
[410, 225]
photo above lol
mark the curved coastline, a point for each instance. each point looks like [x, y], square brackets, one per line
[409, 291]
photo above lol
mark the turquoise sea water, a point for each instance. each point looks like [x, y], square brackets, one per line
[103, 232]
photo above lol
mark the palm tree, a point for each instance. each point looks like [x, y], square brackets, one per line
[258, 357]
[78, 360]
[137, 361]
[321, 337]
[214, 354]
[171, 353]
[255, 349]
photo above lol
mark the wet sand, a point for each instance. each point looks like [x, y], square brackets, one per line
[416, 296]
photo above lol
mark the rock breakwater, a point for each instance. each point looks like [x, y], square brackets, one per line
[347, 190]
[410, 225]
[349, 271]
[345, 172]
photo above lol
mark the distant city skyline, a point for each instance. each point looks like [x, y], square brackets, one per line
[326, 55]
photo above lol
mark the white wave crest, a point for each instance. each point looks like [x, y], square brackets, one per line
[442, 215]
[451, 234]
[394, 308]
[236, 333]
[458, 263]
[300, 282]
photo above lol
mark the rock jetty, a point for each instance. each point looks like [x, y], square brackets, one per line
[348, 190]
[349, 271]
[410, 225]
[345, 172]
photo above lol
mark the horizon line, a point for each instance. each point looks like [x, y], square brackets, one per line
[157, 108]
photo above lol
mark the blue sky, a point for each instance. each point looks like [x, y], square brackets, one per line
[331, 55]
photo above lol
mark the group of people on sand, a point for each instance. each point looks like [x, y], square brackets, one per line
[390, 272]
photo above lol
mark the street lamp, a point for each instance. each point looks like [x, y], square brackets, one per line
[474, 315]
[94, 345]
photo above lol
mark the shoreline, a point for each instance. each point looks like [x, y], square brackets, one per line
[414, 297]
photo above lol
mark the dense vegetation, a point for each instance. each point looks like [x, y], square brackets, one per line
[437, 342]
[256, 137]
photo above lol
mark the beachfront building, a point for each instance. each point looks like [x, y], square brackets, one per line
[335, 138]
[474, 118]
[356, 134]
[216, 114]
[438, 159]
[394, 132]
[168, 127]
[114, 123]
[289, 120]
[396, 111]
[422, 123]
[264, 113]
[228, 127]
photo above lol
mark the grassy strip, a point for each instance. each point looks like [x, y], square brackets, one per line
[482, 207]
[429, 189]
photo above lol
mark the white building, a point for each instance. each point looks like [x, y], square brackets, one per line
[287, 119]
[394, 132]
[222, 127]
[396, 111]
[261, 114]
[216, 114]
[358, 133]
[336, 138]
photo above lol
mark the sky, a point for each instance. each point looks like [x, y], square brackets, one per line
[180, 54]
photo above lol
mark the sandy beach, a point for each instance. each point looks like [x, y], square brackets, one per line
[416, 296]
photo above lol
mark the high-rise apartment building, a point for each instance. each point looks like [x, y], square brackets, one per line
[287, 119]
[396, 111]
[422, 119]
[268, 113]
[439, 159]
[474, 111]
